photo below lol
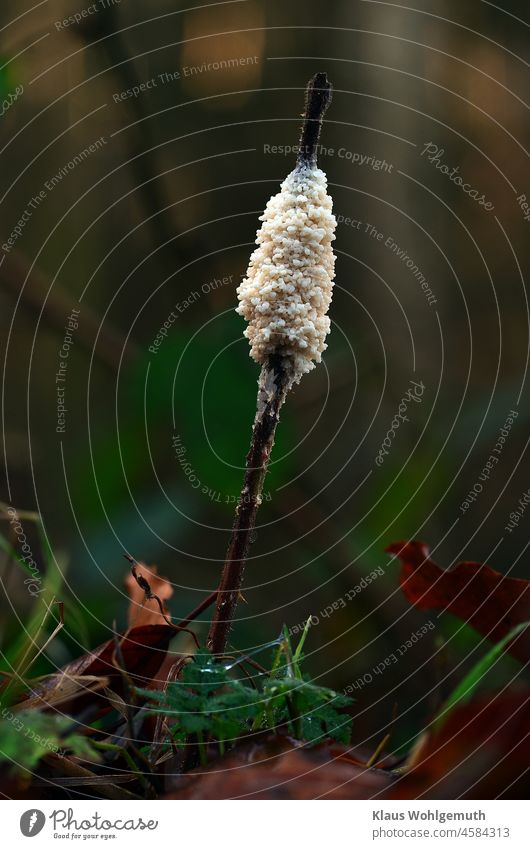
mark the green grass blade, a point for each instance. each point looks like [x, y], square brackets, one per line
[298, 653]
[12, 554]
[465, 689]
[19, 657]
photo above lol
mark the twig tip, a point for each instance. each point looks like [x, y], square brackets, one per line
[317, 99]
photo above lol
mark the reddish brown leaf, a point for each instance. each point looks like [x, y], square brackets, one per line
[488, 601]
[481, 752]
[278, 768]
[143, 650]
[142, 610]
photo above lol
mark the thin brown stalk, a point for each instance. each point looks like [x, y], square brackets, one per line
[273, 385]
[275, 381]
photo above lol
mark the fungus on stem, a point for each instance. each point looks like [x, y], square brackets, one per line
[285, 298]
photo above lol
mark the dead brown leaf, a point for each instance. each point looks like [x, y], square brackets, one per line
[482, 751]
[144, 610]
[280, 768]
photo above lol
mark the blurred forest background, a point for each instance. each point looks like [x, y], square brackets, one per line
[160, 218]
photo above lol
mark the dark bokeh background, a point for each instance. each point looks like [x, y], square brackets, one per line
[165, 212]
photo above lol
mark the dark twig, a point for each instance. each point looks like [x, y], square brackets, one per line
[144, 584]
[273, 385]
[318, 98]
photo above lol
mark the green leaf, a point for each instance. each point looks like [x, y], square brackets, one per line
[192, 723]
[27, 736]
[210, 704]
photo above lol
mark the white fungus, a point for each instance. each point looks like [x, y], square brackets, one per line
[287, 291]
